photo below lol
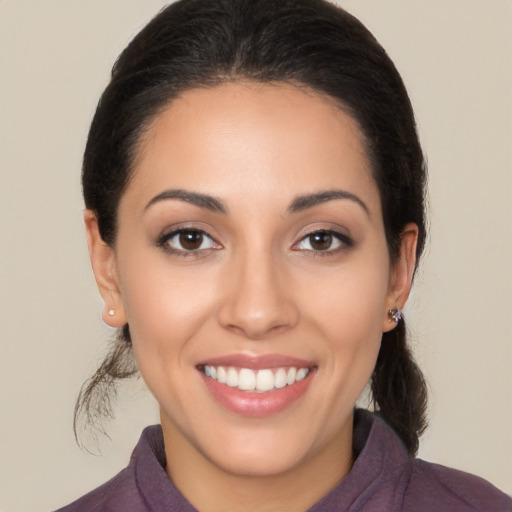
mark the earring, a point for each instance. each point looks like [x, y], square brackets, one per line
[395, 315]
[111, 311]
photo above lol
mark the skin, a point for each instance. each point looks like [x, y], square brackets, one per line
[257, 286]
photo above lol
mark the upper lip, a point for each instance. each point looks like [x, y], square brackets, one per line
[257, 362]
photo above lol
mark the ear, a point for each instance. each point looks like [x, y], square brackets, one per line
[104, 267]
[402, 271]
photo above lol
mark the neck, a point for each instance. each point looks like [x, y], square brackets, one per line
[210, 488]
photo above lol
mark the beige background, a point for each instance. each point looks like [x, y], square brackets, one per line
[456, 59]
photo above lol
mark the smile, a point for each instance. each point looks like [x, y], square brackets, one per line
[257, 386]
[257, 381]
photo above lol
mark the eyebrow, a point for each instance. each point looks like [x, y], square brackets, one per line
[201, 200]
[298, 204]
[309, 200]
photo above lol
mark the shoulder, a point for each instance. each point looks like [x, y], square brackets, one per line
[124, 492]
[439, 488]
[118, 494]
[414, 485]
[143, 486]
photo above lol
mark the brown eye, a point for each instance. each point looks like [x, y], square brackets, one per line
[325, 241]
[320, 241]
[191, 240]
[187, 241]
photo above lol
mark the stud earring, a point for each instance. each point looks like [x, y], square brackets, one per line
[395, 315]
[111, 312]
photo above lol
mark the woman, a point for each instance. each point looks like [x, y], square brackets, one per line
[254, 189]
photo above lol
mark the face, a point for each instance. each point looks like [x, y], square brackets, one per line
[252, 267]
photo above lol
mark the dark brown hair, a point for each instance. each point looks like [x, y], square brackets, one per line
[312, 43]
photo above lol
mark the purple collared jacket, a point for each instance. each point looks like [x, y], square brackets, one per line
[384, 478]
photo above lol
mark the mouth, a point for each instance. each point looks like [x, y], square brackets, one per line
[257, 386]
[255, 381]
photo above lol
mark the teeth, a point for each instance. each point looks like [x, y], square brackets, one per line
[221, 374]
[280, 378]
[232, 378]
[265, 380]
[290, 378]
[246, 379]
[301, 374]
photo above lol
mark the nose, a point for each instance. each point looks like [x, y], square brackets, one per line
[258, 298]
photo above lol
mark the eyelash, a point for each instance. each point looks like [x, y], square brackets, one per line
[164, 240]
[344, 243]
[343, 240]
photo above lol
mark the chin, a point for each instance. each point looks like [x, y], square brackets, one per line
[260, 461]
[269, 446]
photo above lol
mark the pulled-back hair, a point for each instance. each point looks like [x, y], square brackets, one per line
[308, 43]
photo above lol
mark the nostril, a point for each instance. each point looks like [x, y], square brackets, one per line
[258, 330]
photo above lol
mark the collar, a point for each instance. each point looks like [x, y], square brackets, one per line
[376, 482]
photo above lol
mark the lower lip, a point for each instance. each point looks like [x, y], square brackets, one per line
[257, 405]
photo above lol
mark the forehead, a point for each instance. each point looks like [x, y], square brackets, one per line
[254, 139]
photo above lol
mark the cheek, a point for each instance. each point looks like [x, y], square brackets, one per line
[348, 308]
[350, 298]
[164, 306]
[165, 309]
